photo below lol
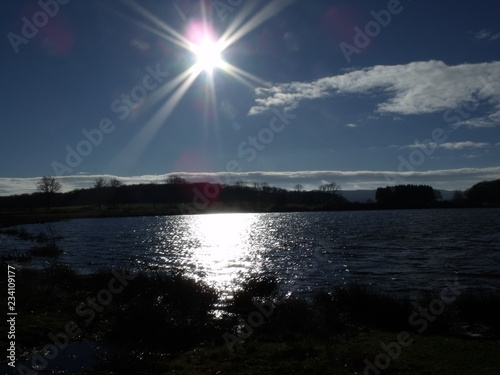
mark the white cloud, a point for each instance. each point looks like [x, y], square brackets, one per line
[485, 35]
[351, 125]
[462, 145]
[348, 180]
[413, 146]
[482, 34]
[413, 89]
[448, 145]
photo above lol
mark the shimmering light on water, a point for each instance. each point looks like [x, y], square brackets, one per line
[224, 249]
[398, 251]
[216, 248]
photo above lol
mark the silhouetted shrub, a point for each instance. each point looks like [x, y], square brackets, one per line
[251, 290]
[161, 311]
[363, 305]
[289, 317]
[49, 250]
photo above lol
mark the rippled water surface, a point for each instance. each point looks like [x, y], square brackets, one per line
[398, 251]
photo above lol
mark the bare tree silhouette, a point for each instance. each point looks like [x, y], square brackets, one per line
[48, 185]
[99, 185]
[331, 188]
[115, 183]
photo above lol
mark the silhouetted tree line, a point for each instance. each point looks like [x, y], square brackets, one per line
[407, 196]
[485, 193]
[482, 194]
[176, 191]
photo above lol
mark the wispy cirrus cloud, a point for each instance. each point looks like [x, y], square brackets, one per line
[450, 179]
[416, 88]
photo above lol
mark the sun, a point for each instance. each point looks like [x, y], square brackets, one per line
[205, 46]
[208, 55]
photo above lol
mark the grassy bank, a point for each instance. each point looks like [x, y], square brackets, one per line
[166, 323]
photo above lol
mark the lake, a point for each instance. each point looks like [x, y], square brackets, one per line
[400, 251]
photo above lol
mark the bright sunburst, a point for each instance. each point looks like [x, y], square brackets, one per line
[201, 40]
[208, 55]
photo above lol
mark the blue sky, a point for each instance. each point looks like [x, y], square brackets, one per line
[363, 93]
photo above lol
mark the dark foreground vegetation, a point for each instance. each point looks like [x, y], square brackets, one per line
[159, 322]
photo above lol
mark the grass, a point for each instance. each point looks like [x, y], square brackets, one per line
[307, 356]
[163, 323]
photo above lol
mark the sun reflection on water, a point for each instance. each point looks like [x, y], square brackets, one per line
[224, 245]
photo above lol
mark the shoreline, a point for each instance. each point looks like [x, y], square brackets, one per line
[14, 217]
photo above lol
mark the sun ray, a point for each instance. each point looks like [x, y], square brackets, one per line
[171, 35]
[234, 70]
[179, 11]
[211, 96]
[139, 142]
[241, 79]
[265, 13]
[160, 33]
[166, 88]
[211, 105]
[173, 100]
[239, 19]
